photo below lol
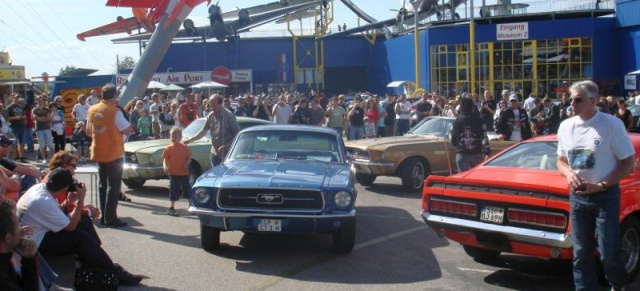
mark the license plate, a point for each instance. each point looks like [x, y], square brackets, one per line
[125, 174]
[271, 225]
[492, 214]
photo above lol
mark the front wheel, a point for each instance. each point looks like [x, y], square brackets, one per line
[483, 255]
[345, 238]
[365, 179]
[134, 183]
[630, 246]
[413, 173]
[209, 237]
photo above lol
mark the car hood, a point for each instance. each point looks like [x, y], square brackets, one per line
[381, 143]
[150, 145]
[277, 174]
[553, 181]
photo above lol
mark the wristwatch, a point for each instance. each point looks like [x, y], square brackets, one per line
[604, 185]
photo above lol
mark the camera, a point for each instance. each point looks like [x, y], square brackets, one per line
[74, 186]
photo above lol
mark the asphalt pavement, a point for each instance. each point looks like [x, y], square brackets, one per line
[395, 250]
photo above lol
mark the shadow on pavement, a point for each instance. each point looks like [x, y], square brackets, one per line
[392, 247]
[527, 273]
[393, 190]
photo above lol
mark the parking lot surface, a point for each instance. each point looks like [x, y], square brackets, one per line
[394, 250]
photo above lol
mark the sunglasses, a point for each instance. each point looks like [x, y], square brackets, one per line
[577, 100]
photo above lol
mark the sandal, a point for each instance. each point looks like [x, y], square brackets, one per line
[124, 197]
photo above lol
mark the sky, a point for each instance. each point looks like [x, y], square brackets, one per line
[41, 34]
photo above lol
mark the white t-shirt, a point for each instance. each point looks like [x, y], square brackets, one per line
[637, 99]
[154, 116]
[40, 210]
[516, 134]
[81, 111]
[594, 147]
[283, 113]
[93, 100]
[404, 107]
[529, 104]
[57, 123]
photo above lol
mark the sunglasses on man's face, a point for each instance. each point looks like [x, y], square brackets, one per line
[577, 100]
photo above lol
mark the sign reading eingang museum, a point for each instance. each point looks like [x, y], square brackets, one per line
[511, 31]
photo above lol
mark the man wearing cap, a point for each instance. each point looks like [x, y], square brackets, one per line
[513, 122]
[56, 233]
[17, 122]
[106, 125]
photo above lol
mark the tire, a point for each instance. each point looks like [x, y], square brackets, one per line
[481, 255]
[630, 246]
[194, 172]
[413, 173]
[345, 238]
[209, 237]
[134, 183]
[365, 179]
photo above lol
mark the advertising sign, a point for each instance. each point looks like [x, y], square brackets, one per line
[195, 77]
[511, 31]
[221, 75]
[15, 73]
[630, 82]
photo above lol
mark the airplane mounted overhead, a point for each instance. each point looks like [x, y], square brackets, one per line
[220, 29]
[404, 16]
[263, 8]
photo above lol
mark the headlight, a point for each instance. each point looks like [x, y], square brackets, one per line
[201, 195]
[152, 160]
[342, 199]
[134, 158]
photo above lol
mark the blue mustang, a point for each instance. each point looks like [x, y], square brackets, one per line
[279, 179]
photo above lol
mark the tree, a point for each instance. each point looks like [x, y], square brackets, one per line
[126, 63]
[66, 70]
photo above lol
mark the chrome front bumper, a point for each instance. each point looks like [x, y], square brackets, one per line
[130, 171]
[537, 237]
[215, 213]
[375, 168]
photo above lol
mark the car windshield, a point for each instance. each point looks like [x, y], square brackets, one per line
[194, 128]
[438, 127]
[287, 145]
[531, 155]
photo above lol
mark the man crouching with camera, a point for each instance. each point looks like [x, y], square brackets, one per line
[57, 233]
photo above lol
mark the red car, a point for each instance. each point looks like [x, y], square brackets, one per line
[518, 202]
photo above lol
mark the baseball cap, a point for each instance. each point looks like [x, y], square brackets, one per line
[513, 97]
[5, 141]
[58, 179]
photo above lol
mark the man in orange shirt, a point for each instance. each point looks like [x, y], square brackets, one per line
[177, 157]
[107, 127]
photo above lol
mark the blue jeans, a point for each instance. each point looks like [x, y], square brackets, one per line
[467, 161]
[45, 139]
[29, 135]
[215, 160]
[356, 132]
[596, 213]
[403, 126]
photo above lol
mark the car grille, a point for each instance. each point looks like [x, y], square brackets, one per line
[130, 158]
[270, 199]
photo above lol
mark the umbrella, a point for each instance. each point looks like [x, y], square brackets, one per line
[156, 85]
[209, 85]
[172, 87]
[634, 73]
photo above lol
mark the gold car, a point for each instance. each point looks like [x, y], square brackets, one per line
[423, 151]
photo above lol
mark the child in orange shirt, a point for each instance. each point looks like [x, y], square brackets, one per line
[177, 157]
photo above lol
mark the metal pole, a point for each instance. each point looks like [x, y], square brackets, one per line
[472, 50]
[416, 32]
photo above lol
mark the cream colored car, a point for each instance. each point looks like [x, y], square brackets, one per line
[425, 150]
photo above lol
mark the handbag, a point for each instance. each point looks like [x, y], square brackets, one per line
[88, 279]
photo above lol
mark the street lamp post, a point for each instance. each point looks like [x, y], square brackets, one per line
[416, 7]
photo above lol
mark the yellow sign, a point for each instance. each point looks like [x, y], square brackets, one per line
[4, 58]
[15, 73]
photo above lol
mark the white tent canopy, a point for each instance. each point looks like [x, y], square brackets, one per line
[634, 73]
[172, 87]
[156, 85]
[209, 85]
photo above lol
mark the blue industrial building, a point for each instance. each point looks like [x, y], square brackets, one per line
[541, 53]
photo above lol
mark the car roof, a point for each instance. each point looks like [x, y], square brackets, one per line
[292, 127]
[242, 119]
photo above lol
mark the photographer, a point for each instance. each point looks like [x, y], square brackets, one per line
[12, 240]
[261, 110]
[57, 233]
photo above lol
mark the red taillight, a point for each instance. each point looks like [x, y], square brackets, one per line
[453, 207]
[548, 219]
